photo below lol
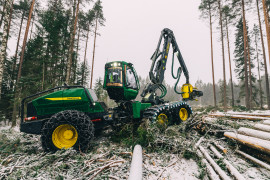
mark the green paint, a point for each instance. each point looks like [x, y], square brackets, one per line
[45, 106]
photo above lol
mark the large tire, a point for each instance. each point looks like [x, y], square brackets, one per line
[182, 113]
[67, 129]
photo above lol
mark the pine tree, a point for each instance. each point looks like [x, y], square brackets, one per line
[99, 18]
[206, 8]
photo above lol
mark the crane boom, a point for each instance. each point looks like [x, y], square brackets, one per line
[158, 68]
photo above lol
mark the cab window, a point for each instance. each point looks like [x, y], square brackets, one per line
[130, 79]
[114, 76]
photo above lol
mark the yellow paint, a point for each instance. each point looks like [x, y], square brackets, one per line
[162, 119]
[64, 98]
[186, 89]
[64, 136]
[183, 114]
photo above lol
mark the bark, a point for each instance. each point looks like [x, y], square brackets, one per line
[4, 42]
[17, 89]
[259, 73]
[262, 127]
[84, 61]
[264, 58]
[3, 13]
[223, 58]
[229, 54]
[136, 168]
[16, 51]
[254, 133]
[76, 59]
[230, 167]
[233, 116]
[32, 27]
[211, 172]
[212, 56]
[253, 159]
[266, 20]
[247, 100]
[221, 173]
[249, 71]
[92, 71]
[71, 45]
[266, 122]
[220, 147]
[255, 143]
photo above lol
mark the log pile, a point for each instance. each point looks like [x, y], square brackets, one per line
[241, 116]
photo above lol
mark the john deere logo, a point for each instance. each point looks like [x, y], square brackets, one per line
[64, 98]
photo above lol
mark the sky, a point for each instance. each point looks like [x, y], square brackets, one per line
[132, 31]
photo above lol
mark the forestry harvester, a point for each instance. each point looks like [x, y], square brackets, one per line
[67, 116]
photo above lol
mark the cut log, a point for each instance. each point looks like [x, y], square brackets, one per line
[221, 173]
[220, 147]
[256, 143]
[252, 118]
[136, 164]
[250, 114]
[255, 160]
[262, 127]
[210, 171]
[254, 133]
[230, 167]
[267, 122]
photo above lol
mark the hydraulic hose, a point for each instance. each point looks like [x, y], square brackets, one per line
[178, 75]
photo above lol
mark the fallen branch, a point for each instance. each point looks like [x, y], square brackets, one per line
[230, 167]
[220, 147]
[256, 143]
[255, 160]
[166, 168]
[221, 173]
[99, 169]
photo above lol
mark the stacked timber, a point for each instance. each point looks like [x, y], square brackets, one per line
[251, 117]
[257, 138]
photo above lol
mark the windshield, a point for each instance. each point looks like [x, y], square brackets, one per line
[93, 95]
[114, 76]
[131, 80]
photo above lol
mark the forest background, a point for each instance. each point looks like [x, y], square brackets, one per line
[53, 37]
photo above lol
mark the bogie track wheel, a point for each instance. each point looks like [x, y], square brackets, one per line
[182, 113]
[163, 119]
[67, 129]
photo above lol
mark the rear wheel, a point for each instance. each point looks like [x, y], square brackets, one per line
[163, 119]
[67, 129]
[182, 113]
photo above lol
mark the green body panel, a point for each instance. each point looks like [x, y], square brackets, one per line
[118, 89]
[138, 107]
[67, 99]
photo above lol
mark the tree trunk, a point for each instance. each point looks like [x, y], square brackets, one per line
[16, 51]
[17, 89]
[229, 54]
[3, 13]
[76, 59]
[245, 57]
[264, 56]
[32, 27]
[250, 77]
[260, 83]
[223, 57]
[4, 43]
[70, 52]
[92, 71]
[84, 61]
[212, 57]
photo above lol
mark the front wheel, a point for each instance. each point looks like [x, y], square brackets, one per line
[182, 113]
[67, 129]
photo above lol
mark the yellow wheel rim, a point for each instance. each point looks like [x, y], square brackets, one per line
[64, 136]
[183, 114]
[162, 119]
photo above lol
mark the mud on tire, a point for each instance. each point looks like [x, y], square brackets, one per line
[80, 121]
